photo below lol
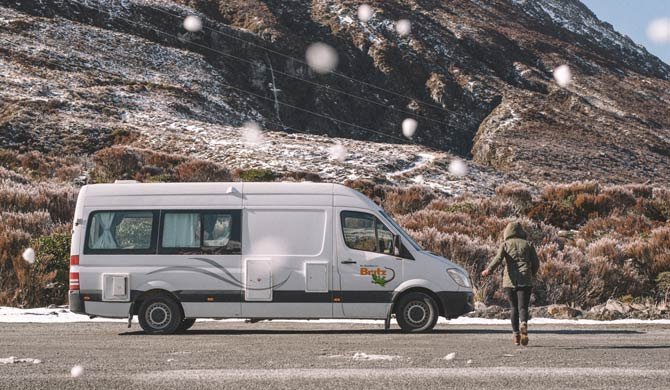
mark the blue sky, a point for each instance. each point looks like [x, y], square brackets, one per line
[631, 17]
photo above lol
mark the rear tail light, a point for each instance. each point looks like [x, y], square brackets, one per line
[74, 273]
[74, 281]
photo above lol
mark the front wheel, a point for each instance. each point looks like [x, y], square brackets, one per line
[160, 315]
[186, 324]
[416, 312]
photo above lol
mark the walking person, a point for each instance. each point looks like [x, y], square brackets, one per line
[521, 264]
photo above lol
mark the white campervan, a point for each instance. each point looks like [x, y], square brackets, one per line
[171, 253]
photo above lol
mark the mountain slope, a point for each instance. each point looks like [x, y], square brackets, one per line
[477, 75]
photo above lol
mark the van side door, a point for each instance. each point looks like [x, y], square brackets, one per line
[368, 270]
[286, 262]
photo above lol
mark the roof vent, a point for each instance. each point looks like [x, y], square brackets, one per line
[125, 181]
[232, 190]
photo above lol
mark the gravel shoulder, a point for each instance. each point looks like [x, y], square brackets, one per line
[307, 355]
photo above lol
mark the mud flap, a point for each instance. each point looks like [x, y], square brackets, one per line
[387, 322]
[130, 313]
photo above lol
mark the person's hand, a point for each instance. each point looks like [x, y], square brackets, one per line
[485, 273]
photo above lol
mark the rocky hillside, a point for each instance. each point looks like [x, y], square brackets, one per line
[477, 75]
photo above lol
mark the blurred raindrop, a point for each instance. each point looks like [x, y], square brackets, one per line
[192, 23]
[29, 255]
[563, 76]
[659, 30]
[252, 133]
[338, 152]
[403, 27]
[365, 13]
[76, 371]
[321, 57]
[458, 167]
[450, 356]
[409, 127]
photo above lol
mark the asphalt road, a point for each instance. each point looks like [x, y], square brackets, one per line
[280, 355]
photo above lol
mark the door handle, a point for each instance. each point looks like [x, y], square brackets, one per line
[348, 262]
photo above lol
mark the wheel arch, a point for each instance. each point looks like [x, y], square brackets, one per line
[418, 289]
[137, 302]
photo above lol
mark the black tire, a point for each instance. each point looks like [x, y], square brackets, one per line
[186, 324]
[160, 314]
[416, 312]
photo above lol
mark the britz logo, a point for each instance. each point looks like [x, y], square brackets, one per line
[377, 274]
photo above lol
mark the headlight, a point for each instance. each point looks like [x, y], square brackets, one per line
[460, 277]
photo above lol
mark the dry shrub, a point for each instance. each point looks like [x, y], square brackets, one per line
[115, 163]
[124, 136]
[560, 193]
[652, 253]
[69, 173]
[12, 243]
[608, 248]
[663, 286]
[302, 176]
[58, 200]
[640, 190]
[560, 277]
[50, 272]
[630, 225]
[393, 199]
[661, 202]
[120, 163]
[570, 205]
[9, 158]
[254, 175]
[160, 160]
[33, 223]
[614, 272]
[461, 223]
[201, 171]
[406, 200]
[7, 175]
[474, 205]
[518, 194]
[619, 198]
[557, 204]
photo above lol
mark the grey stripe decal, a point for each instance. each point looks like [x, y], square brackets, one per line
[235, 283]
[217, 265]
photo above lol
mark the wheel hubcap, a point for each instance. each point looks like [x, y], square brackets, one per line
[158, 315]
[417, 313]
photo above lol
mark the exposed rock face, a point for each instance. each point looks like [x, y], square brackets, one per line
[477, 75]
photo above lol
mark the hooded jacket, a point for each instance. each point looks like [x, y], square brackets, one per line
[518, 258]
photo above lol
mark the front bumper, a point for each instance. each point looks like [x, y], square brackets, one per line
[456, 303]
[76, 301]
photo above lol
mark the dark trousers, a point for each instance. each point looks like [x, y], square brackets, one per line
[519, 299]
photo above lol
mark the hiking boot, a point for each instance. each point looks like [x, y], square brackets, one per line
[517, 339]
[524, 333]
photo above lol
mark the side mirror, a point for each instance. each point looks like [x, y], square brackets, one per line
[396, 245]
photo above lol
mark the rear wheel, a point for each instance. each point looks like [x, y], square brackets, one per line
[160, 315]
[186, 324]
[416, 312]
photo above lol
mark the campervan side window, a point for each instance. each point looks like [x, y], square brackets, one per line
[201, 232]
[130, 231]
[365, 232]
